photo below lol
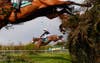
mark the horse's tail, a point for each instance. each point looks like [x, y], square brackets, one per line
[60, 36]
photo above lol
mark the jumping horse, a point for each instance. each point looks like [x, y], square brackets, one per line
[44, 41]
[35, 9]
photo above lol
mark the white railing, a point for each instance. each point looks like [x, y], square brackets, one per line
[53, 50]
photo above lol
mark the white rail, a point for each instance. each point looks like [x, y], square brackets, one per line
[32, 50]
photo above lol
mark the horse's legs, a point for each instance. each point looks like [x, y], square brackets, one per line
[39, 42]
[52, 2]
[58, 2]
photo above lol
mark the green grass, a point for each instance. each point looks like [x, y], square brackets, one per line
[46, 57]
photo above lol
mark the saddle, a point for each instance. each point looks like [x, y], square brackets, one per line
[25, 3]
[44, 40]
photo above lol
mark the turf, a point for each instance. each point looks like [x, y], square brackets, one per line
[36, 57]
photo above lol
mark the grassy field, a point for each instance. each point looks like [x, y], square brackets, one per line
[35, 57]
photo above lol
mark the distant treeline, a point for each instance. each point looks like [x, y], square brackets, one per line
[27, 47]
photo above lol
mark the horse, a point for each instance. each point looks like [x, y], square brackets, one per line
[65, 21]
[63, 25]
[44, 41]
[36, 9]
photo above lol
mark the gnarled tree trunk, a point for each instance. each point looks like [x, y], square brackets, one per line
[84, 37]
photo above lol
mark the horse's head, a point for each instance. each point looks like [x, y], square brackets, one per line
[35, 40]
[62, 29]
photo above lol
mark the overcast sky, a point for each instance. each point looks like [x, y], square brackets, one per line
[25, 32]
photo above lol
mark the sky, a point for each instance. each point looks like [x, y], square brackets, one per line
[23, 33]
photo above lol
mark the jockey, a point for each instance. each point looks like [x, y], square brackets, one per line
[16, 4]
[45, 34]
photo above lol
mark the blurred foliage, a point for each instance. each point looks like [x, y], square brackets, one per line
[35, 57]
[29, 46]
